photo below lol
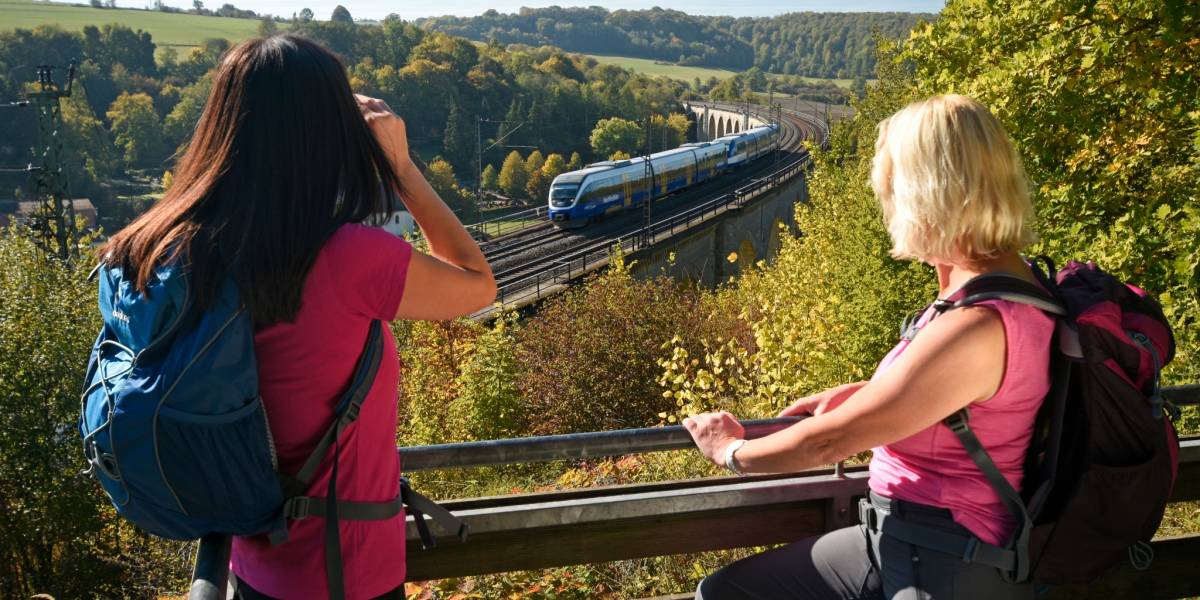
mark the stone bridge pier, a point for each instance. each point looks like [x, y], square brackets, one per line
[714, 121]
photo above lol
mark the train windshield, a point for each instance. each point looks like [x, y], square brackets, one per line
[563, 195]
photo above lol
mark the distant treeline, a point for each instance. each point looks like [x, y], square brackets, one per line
[836, 45]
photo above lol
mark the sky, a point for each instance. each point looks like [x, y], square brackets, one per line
[412, 9]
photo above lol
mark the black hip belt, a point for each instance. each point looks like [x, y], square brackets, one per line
[930, 527]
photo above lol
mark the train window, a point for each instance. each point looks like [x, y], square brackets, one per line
[563, 195]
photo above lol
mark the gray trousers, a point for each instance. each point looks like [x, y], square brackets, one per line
[858, 563]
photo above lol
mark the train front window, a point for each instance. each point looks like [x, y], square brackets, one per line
[563, 195]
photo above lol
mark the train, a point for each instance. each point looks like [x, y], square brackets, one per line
[578, 197]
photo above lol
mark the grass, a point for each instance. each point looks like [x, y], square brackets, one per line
[167, 29]
[498, 228]
[655, 68]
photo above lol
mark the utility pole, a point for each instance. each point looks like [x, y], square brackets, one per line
[55, 218]
[478, 161]
[647, 210]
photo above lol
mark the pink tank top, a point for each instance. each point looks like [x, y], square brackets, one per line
[932, 468]
[303, 368]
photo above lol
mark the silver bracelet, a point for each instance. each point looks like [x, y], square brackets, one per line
[730, 461]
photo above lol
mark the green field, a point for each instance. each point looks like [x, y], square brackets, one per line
[655, 68]
[167, 29]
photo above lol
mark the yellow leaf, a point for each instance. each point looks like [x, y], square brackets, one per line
[732, 257]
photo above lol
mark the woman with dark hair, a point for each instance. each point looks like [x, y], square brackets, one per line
[285, 165]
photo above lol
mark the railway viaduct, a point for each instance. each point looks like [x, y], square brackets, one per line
[713, 122]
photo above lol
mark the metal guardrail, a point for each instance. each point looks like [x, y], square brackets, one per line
[495, 227]
[211, 570]
[574, 446]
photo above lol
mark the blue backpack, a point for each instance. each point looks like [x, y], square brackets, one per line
[175, 431]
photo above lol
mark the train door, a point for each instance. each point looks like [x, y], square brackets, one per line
[627, 189]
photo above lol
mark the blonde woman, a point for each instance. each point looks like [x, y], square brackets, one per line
[953, 195]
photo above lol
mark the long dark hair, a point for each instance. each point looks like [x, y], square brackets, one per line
[280, 158]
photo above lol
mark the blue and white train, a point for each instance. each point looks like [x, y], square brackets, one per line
[577, 197]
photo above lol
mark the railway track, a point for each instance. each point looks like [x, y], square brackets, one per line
[522, 264]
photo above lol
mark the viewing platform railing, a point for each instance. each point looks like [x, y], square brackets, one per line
[560, 528]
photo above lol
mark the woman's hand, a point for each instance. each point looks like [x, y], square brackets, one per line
[389, 131]
[712, 432]
[822, 402]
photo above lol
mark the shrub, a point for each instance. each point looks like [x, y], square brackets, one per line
[58, 534]
[588, 357]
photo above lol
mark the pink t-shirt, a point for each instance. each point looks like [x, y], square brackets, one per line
[931, 467]
[303, 368]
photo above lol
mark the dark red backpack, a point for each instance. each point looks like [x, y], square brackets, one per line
[1104, 454]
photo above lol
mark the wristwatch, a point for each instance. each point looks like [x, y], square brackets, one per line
[731, 461]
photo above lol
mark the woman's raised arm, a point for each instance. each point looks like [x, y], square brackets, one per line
[454, 279]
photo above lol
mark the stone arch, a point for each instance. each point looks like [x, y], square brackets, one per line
[737, 127]
[721, 127]
[712, 127]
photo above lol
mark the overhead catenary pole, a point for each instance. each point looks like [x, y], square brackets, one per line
[55, 218]
[478, 160]
[647, 210]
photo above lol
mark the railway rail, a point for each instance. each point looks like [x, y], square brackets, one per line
[529, 267]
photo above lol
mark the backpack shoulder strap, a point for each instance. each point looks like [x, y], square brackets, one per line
[346, 411]
[1004, 286]
[959, 424]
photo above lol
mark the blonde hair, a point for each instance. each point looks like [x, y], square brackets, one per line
[950, 182]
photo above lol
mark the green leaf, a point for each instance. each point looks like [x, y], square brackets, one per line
[1163, 212]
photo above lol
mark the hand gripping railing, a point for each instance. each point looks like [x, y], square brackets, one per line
[212, 559]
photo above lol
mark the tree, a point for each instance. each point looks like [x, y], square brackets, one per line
[198, 6]
[615, 135]
[490, 179]
[341, 15]
[575, 163]
[267, 27]
[540, 180]
[137, 129]
[512, 119]
[306, 15]
[667, 132]
[457, 141]
[1102, 107]
[537, 186]
[513, 175]
[440, 175]
[534, 162]
[554, 165]
[756, 79]
[181, 121]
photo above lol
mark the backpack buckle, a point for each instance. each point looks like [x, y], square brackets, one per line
[971, 550]
[296, 508]
[867, 515]
[959, 422]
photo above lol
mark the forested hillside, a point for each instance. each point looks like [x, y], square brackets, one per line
[833, 45]
[135, 104]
